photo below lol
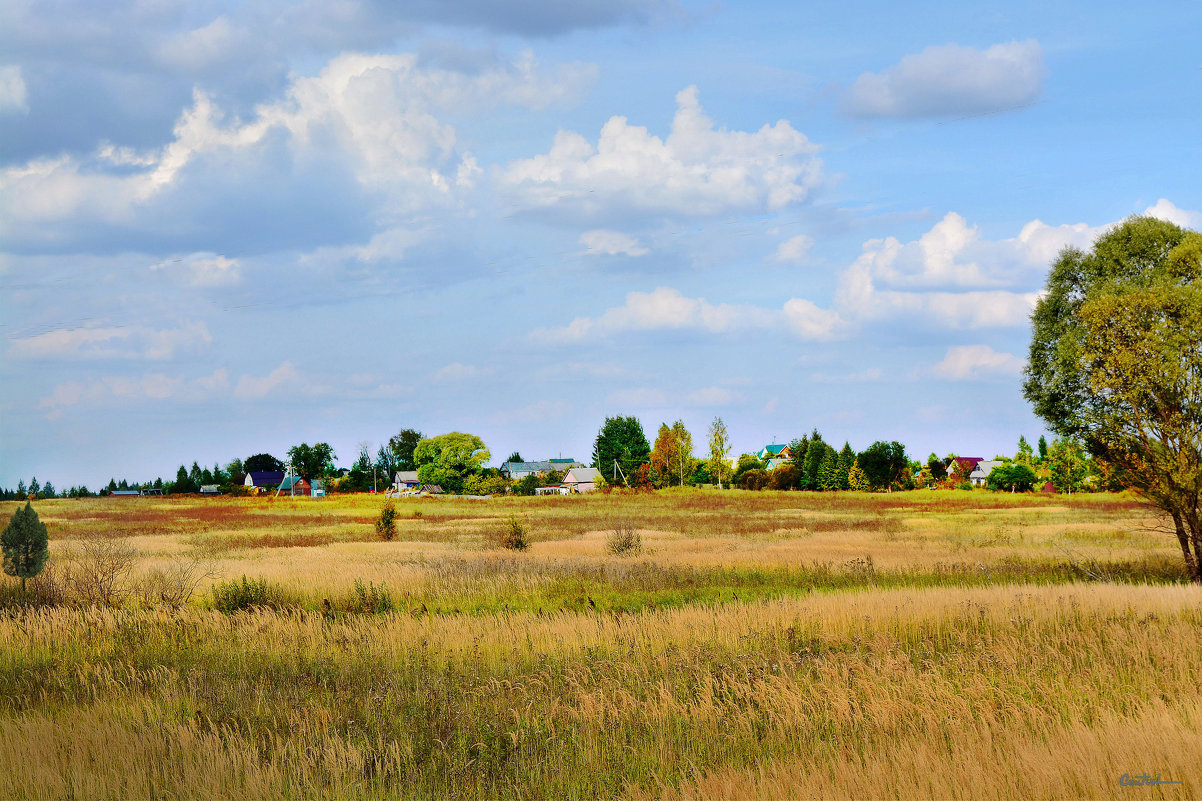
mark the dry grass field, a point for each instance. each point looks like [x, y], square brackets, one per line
[757, 645]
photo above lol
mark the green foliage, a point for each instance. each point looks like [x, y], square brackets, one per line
[312, 461]
[369, 599]
[487, 483]
[883, 463]
[718, 465]
[857, 480]
[25, 543]
[386, 522]
[449, 459]
[514, 536]
[755, 479]
[262, 463]
[815, 452]
[746, 463]
[236, 596]
[620, 439]
[527, 485]
[1115, 364]
[847, 457]
[672, 456]
[1067, 462]
[828, 471]
[402, 447]
[1013, 477]
[783, 478]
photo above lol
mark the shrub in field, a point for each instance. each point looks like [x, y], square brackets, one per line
[370, 599]
[172, 586]
[754, 479]
[234, 596]
[97, 576]
[513, 535]
[783, 477]
[386, 523]
[624, 540]
[26, 544]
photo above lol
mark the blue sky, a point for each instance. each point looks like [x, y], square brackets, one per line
[226, 228]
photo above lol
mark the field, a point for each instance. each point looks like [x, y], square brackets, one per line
[756, 645]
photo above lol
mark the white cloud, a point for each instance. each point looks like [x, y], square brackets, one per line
[204, 270]
[153, 386]
[458, 372]
[252, 387]
[376, 115]
[611, 243]
[794, 250]
[951, 80]
[713, 396]
[119, 342]
[1165, 210]
[696, 171]
[971, 362]
[202, 47]
[13, 94]
[639, 398]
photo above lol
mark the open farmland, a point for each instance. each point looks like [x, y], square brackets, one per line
[948, 644]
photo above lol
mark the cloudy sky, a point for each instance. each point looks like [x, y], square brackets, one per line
[229, 227]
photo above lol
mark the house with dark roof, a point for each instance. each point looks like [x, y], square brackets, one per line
[962, 466]
[264, 478]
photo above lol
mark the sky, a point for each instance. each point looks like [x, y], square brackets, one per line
[230, 227]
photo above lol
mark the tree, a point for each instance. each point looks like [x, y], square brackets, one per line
[621, 440]
[828, 471]
[815, 453]
[882, 463]
[386, 463]
[1024, 455]
[515, 457]
[672, 456]
[183, 483]
[857, 480]
[402, 446]
[312, 461]
[25, 544]
[1066, 459]
[936, 467]
[1043, 447]
[34, 486]
[1015, 477]
[262, 463]
[747, 462]
[847, 458]
[1115, 363]
[783, 477]
[448, 459]
[718, 465]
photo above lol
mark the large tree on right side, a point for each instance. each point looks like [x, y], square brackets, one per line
[1116, 362]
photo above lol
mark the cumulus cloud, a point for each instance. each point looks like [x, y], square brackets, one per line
[949, 80]
[153, 386]
[794, 250]
[972, 362]
[375, 119]
[611, 243]
[13, 94]
[1165, 210]
[113, 342]
[698, 170]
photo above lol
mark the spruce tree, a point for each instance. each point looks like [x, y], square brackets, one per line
[857, 479]
[828, 472]
[847, 458]
[25, 544]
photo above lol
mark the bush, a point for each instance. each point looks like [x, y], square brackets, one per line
[370, 599]
[97, 576]
[386, 523]
[754, 479]
[624, 540]
[513, 535]
[25, 544]
[174, 585]
[783, 478]
[235, 596]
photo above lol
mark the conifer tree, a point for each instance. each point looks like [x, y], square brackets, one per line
[857, 479]
[847, 458]
[25, 544]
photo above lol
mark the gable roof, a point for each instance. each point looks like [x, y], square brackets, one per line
[409, 476]
[967, 463]
[539, 467]
[292, 481]
[581, 475]
[774, 449]
[263, 478]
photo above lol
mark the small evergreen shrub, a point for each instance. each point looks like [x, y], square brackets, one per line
[386, 523]
[25, 544]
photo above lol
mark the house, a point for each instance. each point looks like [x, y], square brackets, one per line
[210, 489]
[295, 485]
[125, 493]
[980, 475]
[431, 489]
[405, 479]
[772, 464]
[773, 452]
[581, 479]
[317, 489]
[962, 466]
[516, 471]
[264, 478]
[552, 489]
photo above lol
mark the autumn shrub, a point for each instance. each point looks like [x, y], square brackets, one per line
[624, 540]
[513, 535]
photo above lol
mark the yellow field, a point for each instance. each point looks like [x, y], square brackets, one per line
[760, 645]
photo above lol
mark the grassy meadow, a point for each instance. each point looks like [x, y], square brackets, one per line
[757, 645]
